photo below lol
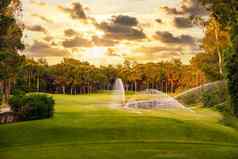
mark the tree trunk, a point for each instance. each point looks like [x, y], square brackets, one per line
[219, 52]
[63, 89]
[71, 90]
[135, 86]
[6, 91]
[38, 83]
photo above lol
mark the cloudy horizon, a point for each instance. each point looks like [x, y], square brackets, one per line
[109, 32]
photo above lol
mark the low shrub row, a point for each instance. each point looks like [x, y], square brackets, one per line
[32, 106]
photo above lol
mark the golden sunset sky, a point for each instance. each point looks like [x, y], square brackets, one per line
[106, 32]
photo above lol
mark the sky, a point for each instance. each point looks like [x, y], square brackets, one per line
[105, 32]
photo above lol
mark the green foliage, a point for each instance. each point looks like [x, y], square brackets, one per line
[209, 95]
[210, 99]
[208, 63]
[18, 92]
[227, 14]
[232, 76]
[33, 106]
[16, 103]
[10, 43]
[3, 5]
[215, 96]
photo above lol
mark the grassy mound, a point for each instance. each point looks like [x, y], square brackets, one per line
[195, 96]
[84, 127]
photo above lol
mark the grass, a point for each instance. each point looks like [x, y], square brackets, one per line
[84, 127]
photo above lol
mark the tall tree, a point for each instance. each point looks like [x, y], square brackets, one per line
[10, 44]
[226, 13]
[215, 41]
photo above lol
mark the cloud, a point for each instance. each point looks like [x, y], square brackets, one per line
[42, 18]
[36, 28]
[172, 11]
[193, 8]
[112, 52]
[38, 3]
[182, 22]
[157, 49]
[159, 21]
[157, 53]
[169, 38]
[41, 49]
[187, 7]
[125, 20]
[76, 11]
[122, 28]
[48, 38]
[104, 42]
[77, 42]
[70, 32]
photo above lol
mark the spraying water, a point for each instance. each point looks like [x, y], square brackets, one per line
[162, 101]
[203, 88]
[118, 93]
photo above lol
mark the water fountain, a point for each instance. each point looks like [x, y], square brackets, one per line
[162, 100]
[118, 93]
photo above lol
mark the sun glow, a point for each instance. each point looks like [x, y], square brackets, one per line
[99, 33]
[96, 52]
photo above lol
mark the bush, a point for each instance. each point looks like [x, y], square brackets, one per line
[34, 106]
[210, 99]
[18, 92]
[215, 96]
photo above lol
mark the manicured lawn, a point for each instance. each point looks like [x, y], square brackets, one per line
[84, 127]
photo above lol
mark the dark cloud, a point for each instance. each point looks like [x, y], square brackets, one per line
[159, 21]
[105, 42]
[187, 7]
[42, 18]
[167, 37]
[76, 11]
[41, 49]
[70, 32]
[36, 28]
[77, 42]
[122, 28]
[125, 20]
[172, 11]
[193, 8]
[182, 22]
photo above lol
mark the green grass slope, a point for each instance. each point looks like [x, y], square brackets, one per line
[194, 95]
[85, 128]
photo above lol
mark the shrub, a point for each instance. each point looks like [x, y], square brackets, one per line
[16, 103]
[215, 96]
[33, 106]
[210, 99]
[18, 92]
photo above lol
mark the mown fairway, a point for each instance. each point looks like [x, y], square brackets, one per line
[84, 127]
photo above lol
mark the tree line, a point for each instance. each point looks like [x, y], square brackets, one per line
[72, 76]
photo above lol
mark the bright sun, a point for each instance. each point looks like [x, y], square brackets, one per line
[97, 52]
